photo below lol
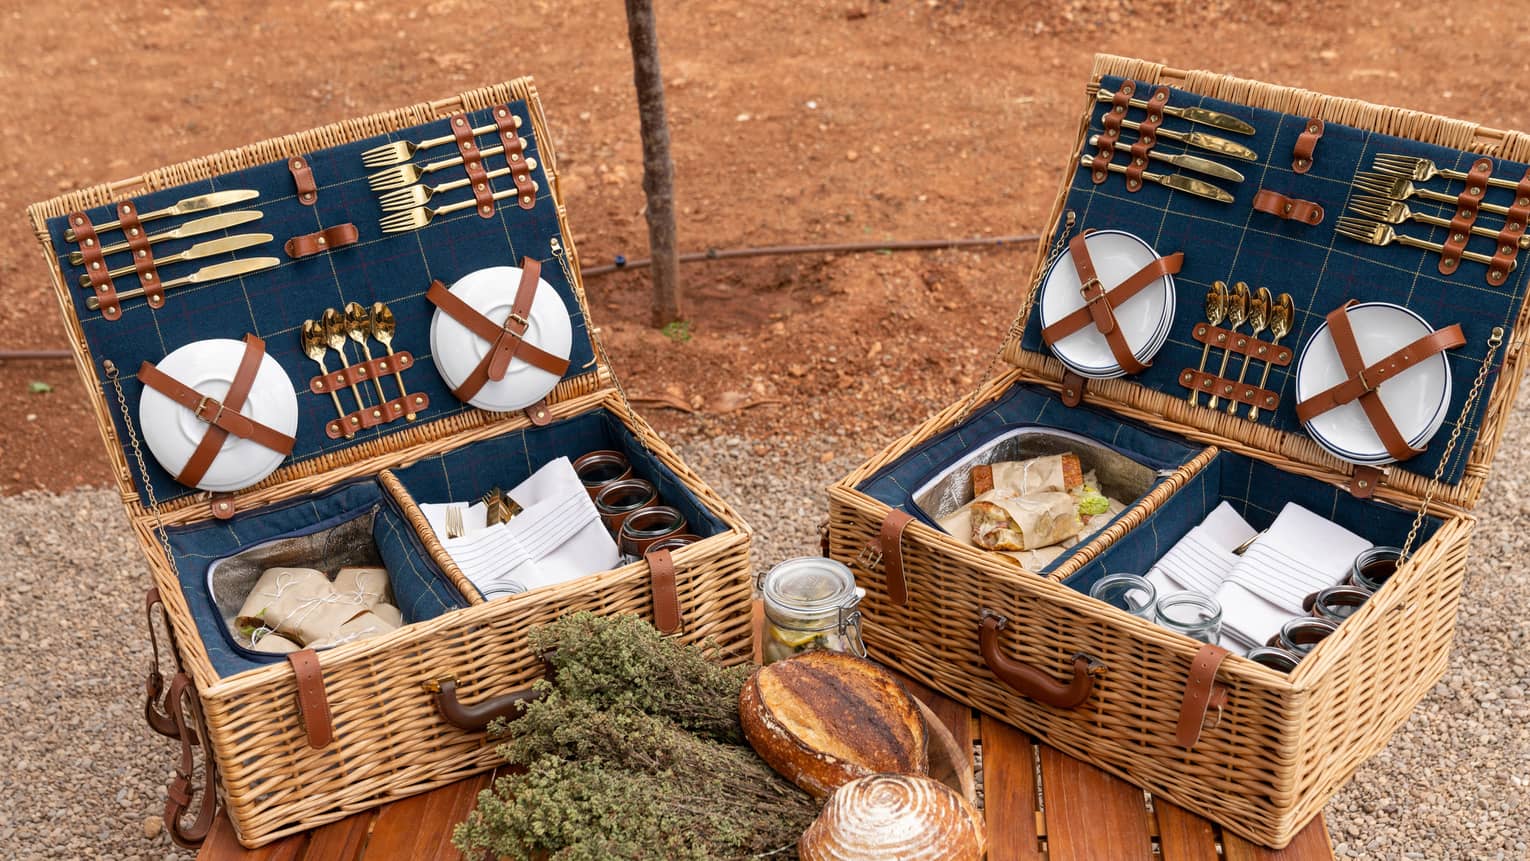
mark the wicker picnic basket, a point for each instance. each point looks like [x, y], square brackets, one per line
[1118, 691]
[379, 728]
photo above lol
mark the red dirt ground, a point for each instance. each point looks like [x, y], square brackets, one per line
[793, 122]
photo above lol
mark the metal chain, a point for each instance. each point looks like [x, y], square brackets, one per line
[1494, 340]
[143, 467]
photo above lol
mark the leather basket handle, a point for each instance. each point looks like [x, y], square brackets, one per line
[1028, 680]
[476, 717]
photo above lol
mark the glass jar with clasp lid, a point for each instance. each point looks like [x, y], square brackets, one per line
[811, 603]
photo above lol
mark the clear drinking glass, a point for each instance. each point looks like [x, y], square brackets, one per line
[1336, 603]
[1374, 567]
[1196, 616]
[1302, 634]
[1275, 658]
[1126, 592]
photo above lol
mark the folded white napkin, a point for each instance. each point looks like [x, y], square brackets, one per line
[1201, 560]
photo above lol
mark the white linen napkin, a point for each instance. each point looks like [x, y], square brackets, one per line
[1201, 560]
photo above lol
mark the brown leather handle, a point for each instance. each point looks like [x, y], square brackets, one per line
[1030, 681]
[477, 717]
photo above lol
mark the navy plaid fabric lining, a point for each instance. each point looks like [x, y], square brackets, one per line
[392, 268]
[1321, 270]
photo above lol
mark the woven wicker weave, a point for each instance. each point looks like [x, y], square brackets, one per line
[1283, 744]
[389, 740]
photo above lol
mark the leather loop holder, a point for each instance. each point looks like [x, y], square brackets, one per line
[312, 701]
[1514, 225]
[888, 548]
[1147, 136]
[515, 154]
[666, 601]
[1467, 204]
[1100, 303]
[302, 177]
[472, 162]
[95, 265]
[1289, 208]
[1111, 125]
[506, 340]
[327, 239]
[1306, 145]
[143, 256]
[1201, 694]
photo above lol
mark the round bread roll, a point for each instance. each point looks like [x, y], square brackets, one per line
[895, 816]
[824, 718]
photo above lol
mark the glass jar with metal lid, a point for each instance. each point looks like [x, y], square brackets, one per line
[811, 603]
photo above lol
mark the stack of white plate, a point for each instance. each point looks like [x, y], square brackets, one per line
[1144, 319]
[1416, 398]
[457, 351]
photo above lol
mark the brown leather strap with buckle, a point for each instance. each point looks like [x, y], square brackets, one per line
[1290, 208]
[1363, 380]
[1201, 694]
[472, 162]
[507, 340]
[95, 265]
[1111, 125]
[1147, 136]
[1513, 231]
[890, 550]
[1467, 204]
[183, 702]
[515, 153]
[1306, 145]
[302, 177]
[222, 418]
[143, 255]
[327, 239]
[666, 601]
[156, 712]
[1099, 303]
[312, 701]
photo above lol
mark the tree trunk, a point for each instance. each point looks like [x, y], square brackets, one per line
[658, 167]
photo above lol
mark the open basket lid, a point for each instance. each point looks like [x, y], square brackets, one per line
[314, 187]
[1307, 257]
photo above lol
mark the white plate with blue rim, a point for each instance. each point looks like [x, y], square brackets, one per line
[457, 351]
[1416, 399]
[1144, 319]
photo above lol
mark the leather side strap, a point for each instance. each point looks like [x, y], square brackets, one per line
[472, 162]
[1290, 208]
[1201, 693]
[312, 701]
[1306, 144]
[890, 543]
[183, 702]
[666, 601]
[1514, 225]
[1111, 124]
[95, 265]
[155, 712]
[1467, 204]
[302, 177]
[506, 340]
[1073, 386]
[1147, 136]
[328, 239]
[143, 255]
[515, 153]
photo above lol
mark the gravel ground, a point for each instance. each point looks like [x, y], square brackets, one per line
[86, 777]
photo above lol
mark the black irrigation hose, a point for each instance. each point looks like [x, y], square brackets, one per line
[710, 254]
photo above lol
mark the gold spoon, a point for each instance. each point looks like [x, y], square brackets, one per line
[314, 347]
[1237, 312]
[1216, 308]
[1258, 316]
[382, 326]
[334, 335]
[357, 325]
[1281, 321]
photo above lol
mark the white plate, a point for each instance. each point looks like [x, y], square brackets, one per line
[1144, 319]
[1416, 398]
[173, 433]
[458, 351]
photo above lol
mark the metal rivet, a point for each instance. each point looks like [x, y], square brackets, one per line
[126, 209]
[479, 186]
[148, 276]
[1465, 213]
[95, 265]
[143, 252]
[1474, 191]
[459, 121]
[321, 241]
[89, 243]
[1496, 275]
[487, 209]
[500, 112]
[1363, 484]
[133, 232]
[1313, 128]
[525, 200]
[1483, 167]
[514, 157]
[79, 221]
[1456, 237]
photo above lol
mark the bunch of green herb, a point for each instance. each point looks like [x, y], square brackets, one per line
[634, 751]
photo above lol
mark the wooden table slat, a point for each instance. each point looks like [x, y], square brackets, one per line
[222, 843]
[1182, 835]
[344, 840]
[1009, 793]
[956, 716]
[1090, 814]
[397, 834]
[1310, 842]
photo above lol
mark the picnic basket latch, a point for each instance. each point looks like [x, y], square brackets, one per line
[312, 701]
[1030, 681]
[888, 547]
[666, 601]
[1201, 694]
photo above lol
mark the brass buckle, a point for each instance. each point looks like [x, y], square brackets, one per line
[202, 405]
[518, 319]
[869, 557]
[1364, 382]
[1084, 290]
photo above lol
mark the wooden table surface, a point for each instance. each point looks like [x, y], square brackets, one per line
[1086, 815]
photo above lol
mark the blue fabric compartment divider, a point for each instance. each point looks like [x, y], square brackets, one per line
[1257, 491]
[419, 587]
[1024, 405]
[394, 268]
[1232, 242]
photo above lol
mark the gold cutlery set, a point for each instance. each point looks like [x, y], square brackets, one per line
[1137, 161]
[360, 324]
[1261, 311]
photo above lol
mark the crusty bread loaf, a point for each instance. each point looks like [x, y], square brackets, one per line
[824, 718]
[895, 816]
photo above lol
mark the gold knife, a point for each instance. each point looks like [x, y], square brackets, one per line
[1188, 162]
[1215, 119]
[210, 248]
[1172, 180]
[200, 203]
[195, 227]
[215, 272]
[1222, 146]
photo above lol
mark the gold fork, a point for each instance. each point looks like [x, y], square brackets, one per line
[1402, 188]
[1423, 170]
[419, 195]
[454, 527]
[408, 174]
[414, 219]
[1396, 212]
[383, 155]
[1376, 233]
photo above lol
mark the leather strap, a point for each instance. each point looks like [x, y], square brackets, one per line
[1290, 208]
[472, 162]
[1111, 125]
[1467, 204]
[539, 414]
[1514, 225]
[183, 701]
[507, 340]
[327, 239]
[312, 701]
[1201, 694]
[1099, 304]
[222, 418]
[143, 255]
[95, 265]
[666, 601]
[1363, 381]
[1147, 136]
[515, 153]
[155, 711]
[890, 549]
[1306, 144]
[1073, 386]
[1365, 480]
[302, 177]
